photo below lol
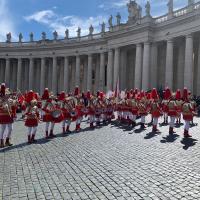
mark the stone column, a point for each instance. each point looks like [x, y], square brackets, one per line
[102, 71]
[154, 65]
[19, 73]
[181, 64]
[89, 73]
[31, 64]
[77, 76]
[97, 73]
[54, 76]
[169, 64]
[7, 72]
[188, 71]
[109, 70]
[116, 67]
[85, 63]
[42, 75]
[198, 71]
[138, 66]
[66, 74]
[146, 66]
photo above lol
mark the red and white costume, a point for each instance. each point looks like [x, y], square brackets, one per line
[6, 119]
[156, 111]
[179, 104]
[142, 108]
[31, 116]
[134, 111]
[48, 108]
[188, 113]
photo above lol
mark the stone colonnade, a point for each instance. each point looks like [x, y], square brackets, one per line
[174, 63]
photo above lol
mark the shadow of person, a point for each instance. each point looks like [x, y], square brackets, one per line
[193, 124]
[163, 124]
[151, 135]
[39, 141]
[177, 125]
[169, 138]
[139, 130]
[188, 142]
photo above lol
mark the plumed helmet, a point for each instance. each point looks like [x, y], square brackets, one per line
[45, 95]
[185, 94]
[178, 94]
[88, 95]
[76, 91]
[101, 95]
[62, 96]
[128, 95]
[148, 96]
[30, 96]
[154, 94]
[168, 93]
[3, 89]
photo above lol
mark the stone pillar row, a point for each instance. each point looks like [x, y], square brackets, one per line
[145, 61]
[66, 85]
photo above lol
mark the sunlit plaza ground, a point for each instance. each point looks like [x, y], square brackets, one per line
[109, 162]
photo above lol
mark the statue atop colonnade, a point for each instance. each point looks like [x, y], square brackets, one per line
[135, 12]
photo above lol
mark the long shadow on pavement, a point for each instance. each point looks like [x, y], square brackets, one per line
[151, 135]
[188, 142]
[39, 141]
[169, 138]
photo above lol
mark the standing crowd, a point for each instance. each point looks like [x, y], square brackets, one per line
[99, 108]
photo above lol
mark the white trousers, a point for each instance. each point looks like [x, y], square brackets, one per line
[171, 123]
[132, 117]
[155, 121]
[187, 125]
[32, 130]
[143, 119]
[3, 128]
[48, 124]
[68, 122]
[91, 118]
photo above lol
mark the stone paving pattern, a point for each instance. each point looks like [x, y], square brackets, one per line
[110, 162]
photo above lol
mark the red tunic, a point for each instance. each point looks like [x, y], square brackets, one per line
[6, 116]
[155, 110]
[48, 108]
[172, 109]
[61, 116]
[32, 118]
[187, 112]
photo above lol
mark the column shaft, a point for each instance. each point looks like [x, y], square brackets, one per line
[31, 63]
[154, 65]
[188, 71]
[7, 72]
[109, 70]
[54, 76]
[116, 67]
[146, 65]
[198, 71]
[66, 74]
[102, 71]
[42, 76]
[77, 78]
[169, 65]
[89, 73]
[138, 66]
[19, 73]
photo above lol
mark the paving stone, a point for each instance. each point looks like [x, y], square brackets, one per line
[110, 162]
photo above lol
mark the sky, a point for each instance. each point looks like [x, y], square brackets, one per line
[37, 16]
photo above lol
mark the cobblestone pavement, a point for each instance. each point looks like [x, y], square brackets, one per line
[110, 162]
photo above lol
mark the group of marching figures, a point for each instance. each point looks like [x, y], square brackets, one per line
[99, 107]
